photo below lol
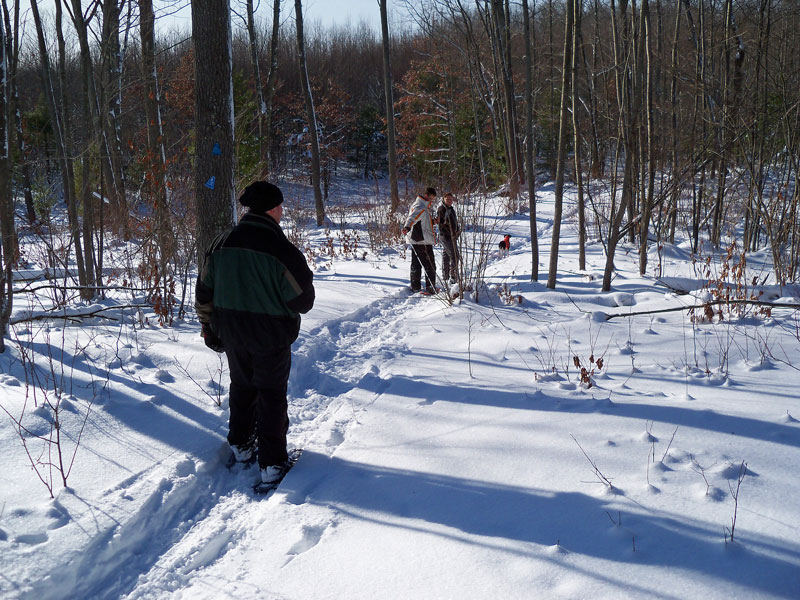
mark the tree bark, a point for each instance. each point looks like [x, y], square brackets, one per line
[647, 200]
[110, 103]
[576, 36]
[389, 96]
[61, 132]
[12, 61]
[502, 46]
[530, 146]
[310, 114]
[156, 178]
[8, 249]
[88, 106]
[214, 158]
[272, 75]
[562, 145]
[253, 46]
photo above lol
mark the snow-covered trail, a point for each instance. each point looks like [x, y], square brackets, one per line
[199, 511]
[441, 459]
[428, 476]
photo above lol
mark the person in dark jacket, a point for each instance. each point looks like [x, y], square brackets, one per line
[252, 288]
[449, 231]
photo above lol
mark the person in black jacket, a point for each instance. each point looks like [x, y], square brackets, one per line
[448, 233]
[253, 286]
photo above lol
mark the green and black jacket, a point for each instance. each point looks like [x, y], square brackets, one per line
[253, 285]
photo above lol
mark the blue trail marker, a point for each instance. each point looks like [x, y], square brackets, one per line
[210, 183]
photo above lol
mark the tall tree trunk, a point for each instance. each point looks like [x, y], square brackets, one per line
[12, 60]
[562, 145]
[627, 126]
[530, 146]
[8, 250]
[110, 111]
[88, 99]
[157, 172]
[214, 159]
[389, 96]
[61, 131]
[272, 75]
[576, 36]
[253, 45]
[647, 199]
[310, 114]
[672, 214]
[502, 46]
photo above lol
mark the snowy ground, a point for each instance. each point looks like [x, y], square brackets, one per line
[447, 448]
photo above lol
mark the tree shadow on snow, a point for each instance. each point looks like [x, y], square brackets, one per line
[428, 392]
[568, 522]
[166, 416]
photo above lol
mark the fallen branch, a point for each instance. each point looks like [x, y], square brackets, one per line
[76, 316]
[78, 288]
[703, 305]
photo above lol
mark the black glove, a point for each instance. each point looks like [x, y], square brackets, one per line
[211, 339]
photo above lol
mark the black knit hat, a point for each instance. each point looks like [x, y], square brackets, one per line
[261, 196]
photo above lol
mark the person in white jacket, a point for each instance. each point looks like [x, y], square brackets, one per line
[420, 235]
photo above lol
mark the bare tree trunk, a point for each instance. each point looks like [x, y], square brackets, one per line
[8, 243]
[110, 110]
[576, 36]
[61, 132]
[12, 60]
[627, 126]
[214, 160]
[530, 146]
[672, 215]
[272, 75]
[647, 200]
[502, 48]
[88, 98]
[253, 45]
[562, 145]
[310, 114]
[156, 181]
[389, 96]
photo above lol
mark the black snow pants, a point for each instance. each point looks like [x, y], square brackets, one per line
[449, 259]
[422, 257]
[258, 402]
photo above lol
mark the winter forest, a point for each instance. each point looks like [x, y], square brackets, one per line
[605, 409]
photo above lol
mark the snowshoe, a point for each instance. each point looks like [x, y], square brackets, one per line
[233, 461]
[271, 477]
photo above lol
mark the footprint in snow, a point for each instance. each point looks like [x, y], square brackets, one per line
[163, 376]
[310, 537]
[31, 539]
[9, 381]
